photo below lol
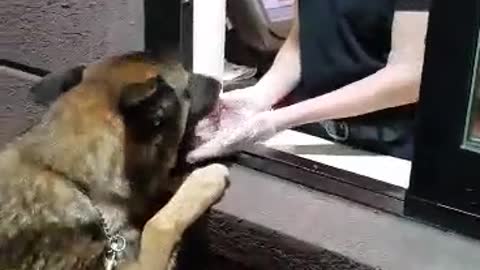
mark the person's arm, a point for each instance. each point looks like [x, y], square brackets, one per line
[396, 84]
[284, 74]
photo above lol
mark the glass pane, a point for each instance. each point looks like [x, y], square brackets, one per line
[475, 118]
[472, 129]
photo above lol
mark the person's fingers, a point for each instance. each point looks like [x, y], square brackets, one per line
[237, 130]
[206, 128]
[223, 142]
[205, 151]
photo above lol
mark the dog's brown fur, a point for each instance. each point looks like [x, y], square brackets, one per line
[108, 143]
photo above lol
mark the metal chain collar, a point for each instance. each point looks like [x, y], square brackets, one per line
[116, 244]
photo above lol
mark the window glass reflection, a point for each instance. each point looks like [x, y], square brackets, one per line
[472, 128]
[473, 118]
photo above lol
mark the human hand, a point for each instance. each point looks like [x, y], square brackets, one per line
[234, 107]
[244, 132]
[253, 98]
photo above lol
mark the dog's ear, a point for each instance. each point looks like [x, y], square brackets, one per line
[133, 94]
[54, 84]
[146, 105]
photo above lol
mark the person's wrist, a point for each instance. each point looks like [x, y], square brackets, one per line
[272, 120]
[261, 97]
[278, 119]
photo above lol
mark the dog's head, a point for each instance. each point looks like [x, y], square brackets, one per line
[130, 106]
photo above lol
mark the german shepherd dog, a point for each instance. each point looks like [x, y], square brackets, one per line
[77, 190]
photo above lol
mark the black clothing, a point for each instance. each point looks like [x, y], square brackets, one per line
[343, 41]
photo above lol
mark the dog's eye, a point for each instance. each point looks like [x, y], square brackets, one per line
[186, 94]
[158, 140]
[157, 118]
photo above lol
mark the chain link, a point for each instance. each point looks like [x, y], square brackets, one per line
[116, 244]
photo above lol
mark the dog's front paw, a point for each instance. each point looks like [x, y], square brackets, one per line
[207, 185]
[198, 192]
